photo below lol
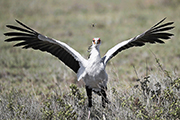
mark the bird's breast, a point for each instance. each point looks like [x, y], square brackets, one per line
[96, 75]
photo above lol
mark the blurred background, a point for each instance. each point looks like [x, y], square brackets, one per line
[70, 21]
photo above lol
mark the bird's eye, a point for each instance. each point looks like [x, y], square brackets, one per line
[99, 41]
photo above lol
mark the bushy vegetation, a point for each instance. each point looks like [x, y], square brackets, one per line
[35, 85]
[151, 98]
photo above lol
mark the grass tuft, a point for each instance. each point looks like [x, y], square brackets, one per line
[35, 85]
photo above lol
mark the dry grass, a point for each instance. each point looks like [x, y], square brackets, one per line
[36, 75]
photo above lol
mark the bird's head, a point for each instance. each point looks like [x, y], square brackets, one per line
[96, 42]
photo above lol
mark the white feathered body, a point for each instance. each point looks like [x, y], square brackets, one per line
[94, 74]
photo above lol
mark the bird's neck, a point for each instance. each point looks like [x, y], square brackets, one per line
[94, 54]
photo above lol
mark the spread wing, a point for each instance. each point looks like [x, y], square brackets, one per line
[29, 38]
[155, 34]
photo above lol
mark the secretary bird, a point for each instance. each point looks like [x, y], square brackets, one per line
[91, 70]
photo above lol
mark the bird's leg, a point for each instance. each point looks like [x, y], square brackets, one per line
[89, 94]
[104, 97]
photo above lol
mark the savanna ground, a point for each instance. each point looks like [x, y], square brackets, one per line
[144, 83]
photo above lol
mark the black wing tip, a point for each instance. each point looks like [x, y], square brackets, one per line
[164, 19]
[18, 21]
[161, 20]
[169, 23]
[9, 26]
[6, 34]
[173, 27]
[9, 40]
[6, 40]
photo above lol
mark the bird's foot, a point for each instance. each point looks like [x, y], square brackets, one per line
[89, 112]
